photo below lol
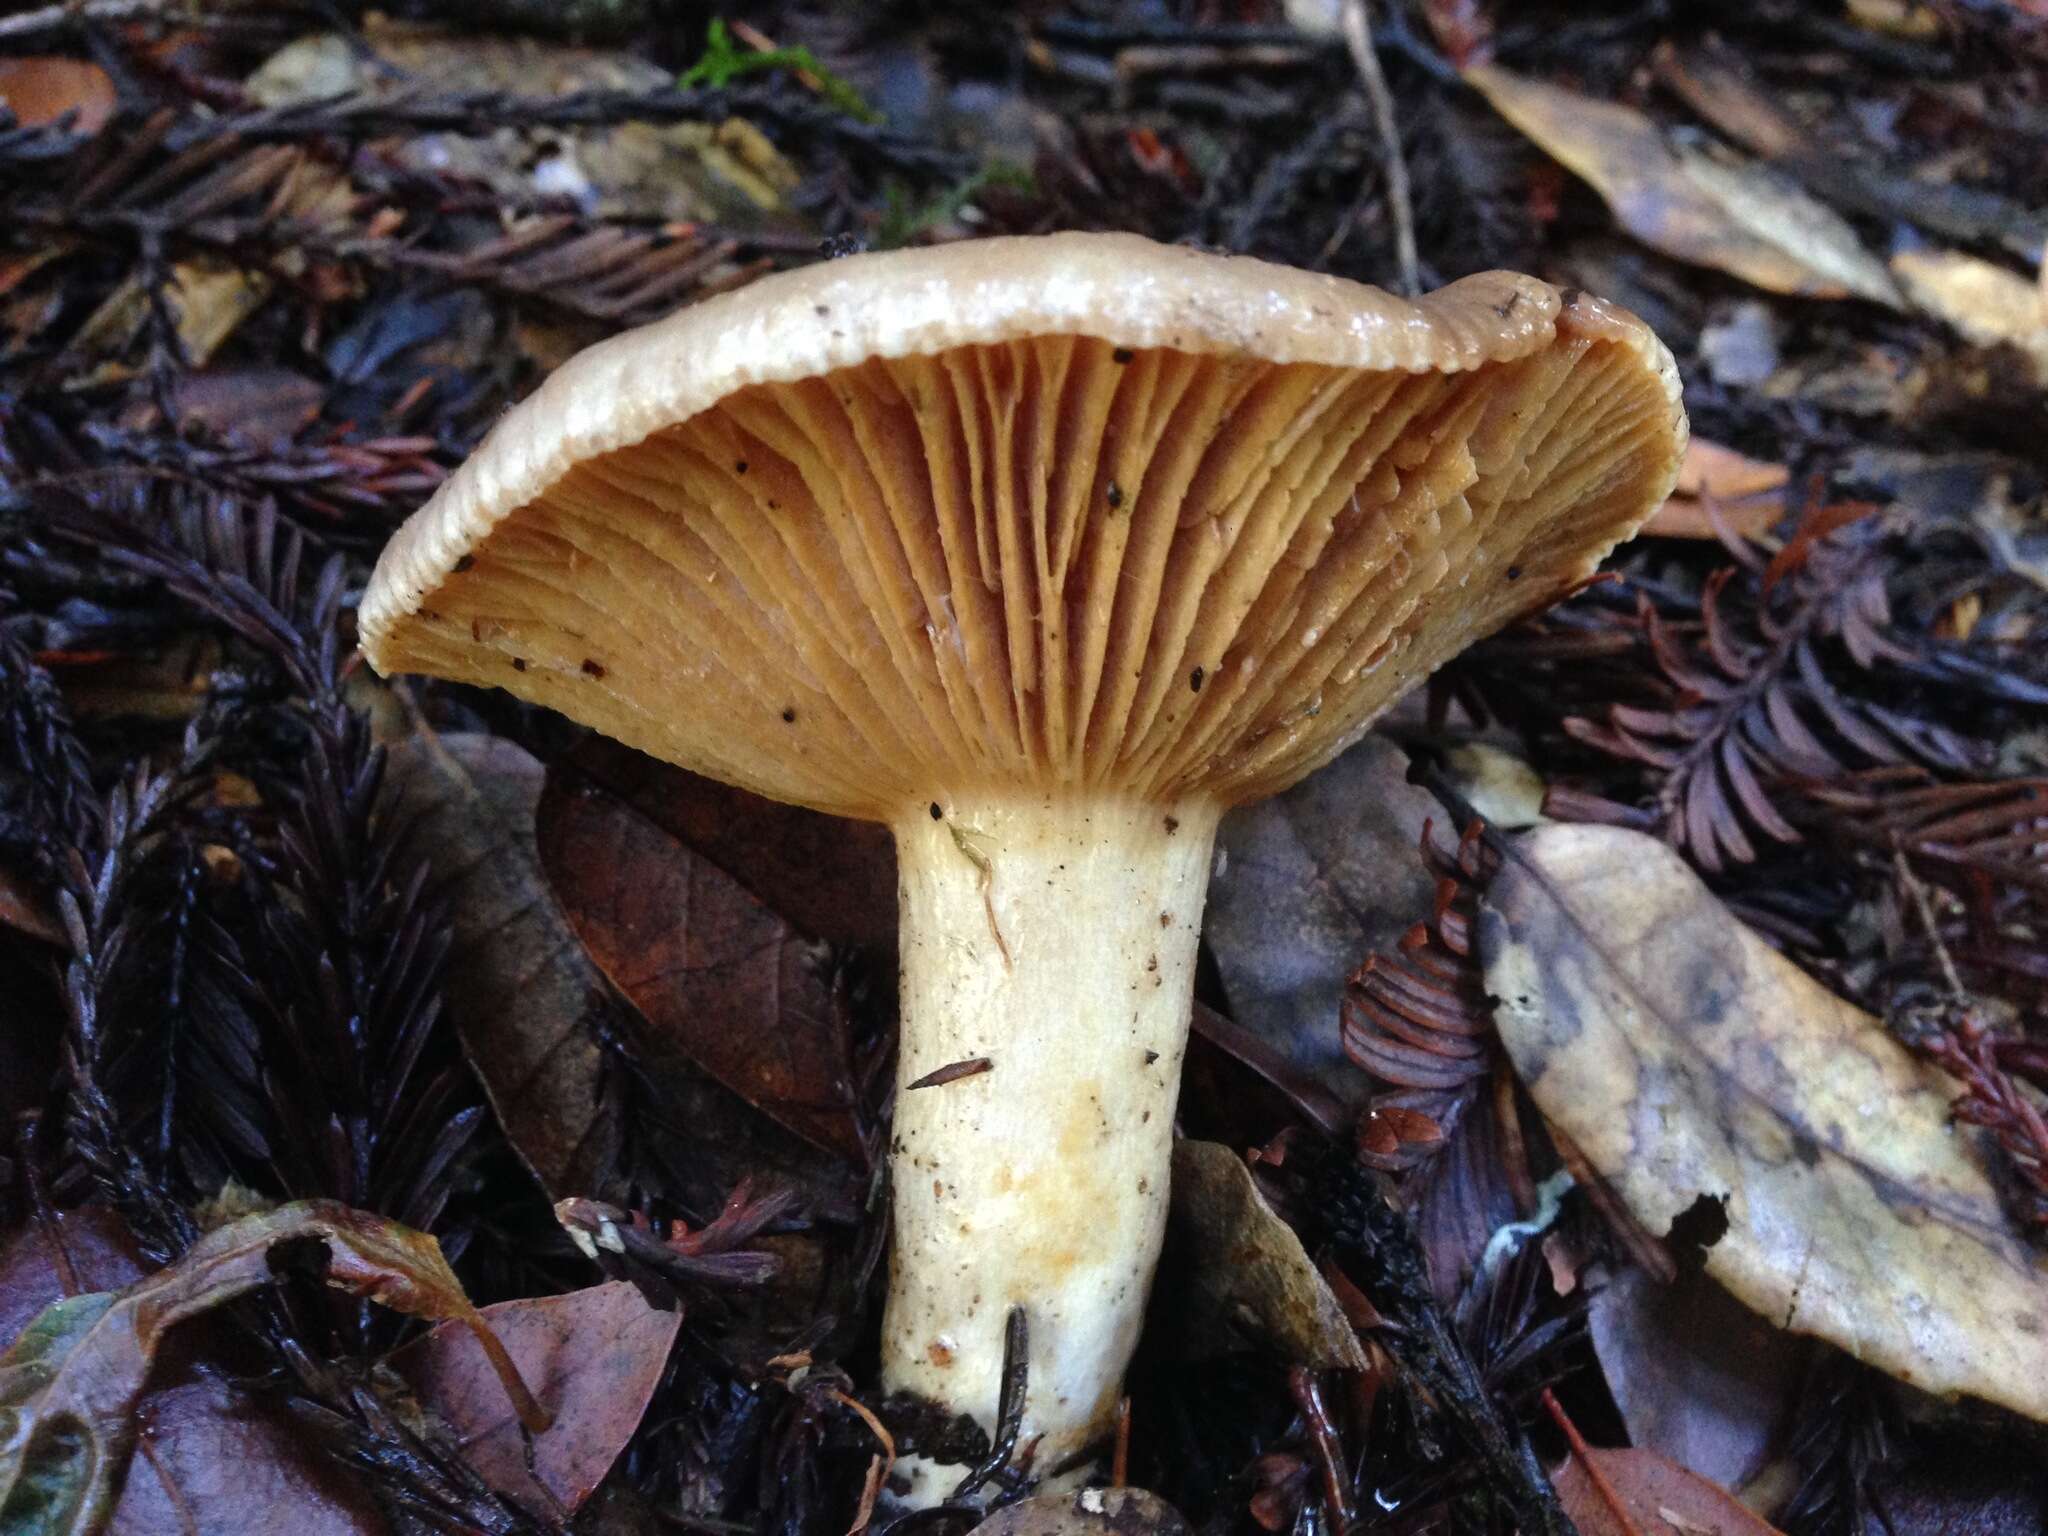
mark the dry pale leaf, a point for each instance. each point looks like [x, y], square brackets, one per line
[727, 170]
[1687, 1059]
[1980, 300]
[1736, 216]
[207, 299]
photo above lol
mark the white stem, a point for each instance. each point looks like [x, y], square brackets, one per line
[1056, 938]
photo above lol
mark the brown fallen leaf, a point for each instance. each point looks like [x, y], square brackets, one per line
[1639, 1493]
[593, 1358]
[717, 974]
[1748, 494]
[521, 991]
[1688, 1059]
[1241, 1278]
[832, 878]
[43, 88]
[1736, 216]
[1089, 1512]
[69, 1385]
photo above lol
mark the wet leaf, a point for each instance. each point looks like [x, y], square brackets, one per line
[43, 88]
[1697, 1376]
[1748, 495]
[1655, 1497]
[718, 974]
[1089, 1512]
[89, 1249]
[212, 1459]
[1738, 217]
[70, 1383]
[1307, 885]
[593, 1358]
[1240, 1277]
[1688, 1059]
[521, 990]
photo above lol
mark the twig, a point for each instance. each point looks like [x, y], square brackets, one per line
[1377, 1247]
[878, 1465]
[1308, 1397]
[1584, 1452]
[1358, 37]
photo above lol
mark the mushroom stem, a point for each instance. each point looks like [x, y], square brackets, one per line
[1055, 937]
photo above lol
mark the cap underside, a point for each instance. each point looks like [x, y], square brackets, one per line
[1045, 561]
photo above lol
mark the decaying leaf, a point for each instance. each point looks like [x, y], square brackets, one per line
[593, 1358]
[1307, 885]
[520, 988]
[1503, 789]
[832, 878]
[1748, 495]
[717, 974]
[1639, 1493]
[1248, 1281]
[1089, 1512]
[1738, 217]
[70, 1383]
[1689, 1060]
[211, 1457]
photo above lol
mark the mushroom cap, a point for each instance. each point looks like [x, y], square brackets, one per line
[1068, 511]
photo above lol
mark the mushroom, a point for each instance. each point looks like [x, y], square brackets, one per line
[1044, 551]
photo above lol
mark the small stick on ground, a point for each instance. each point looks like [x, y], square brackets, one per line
[1358, 37]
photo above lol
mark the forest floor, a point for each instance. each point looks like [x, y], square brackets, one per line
[273, 930]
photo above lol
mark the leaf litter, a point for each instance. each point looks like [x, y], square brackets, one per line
[1689, 1061]
[243, 311]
